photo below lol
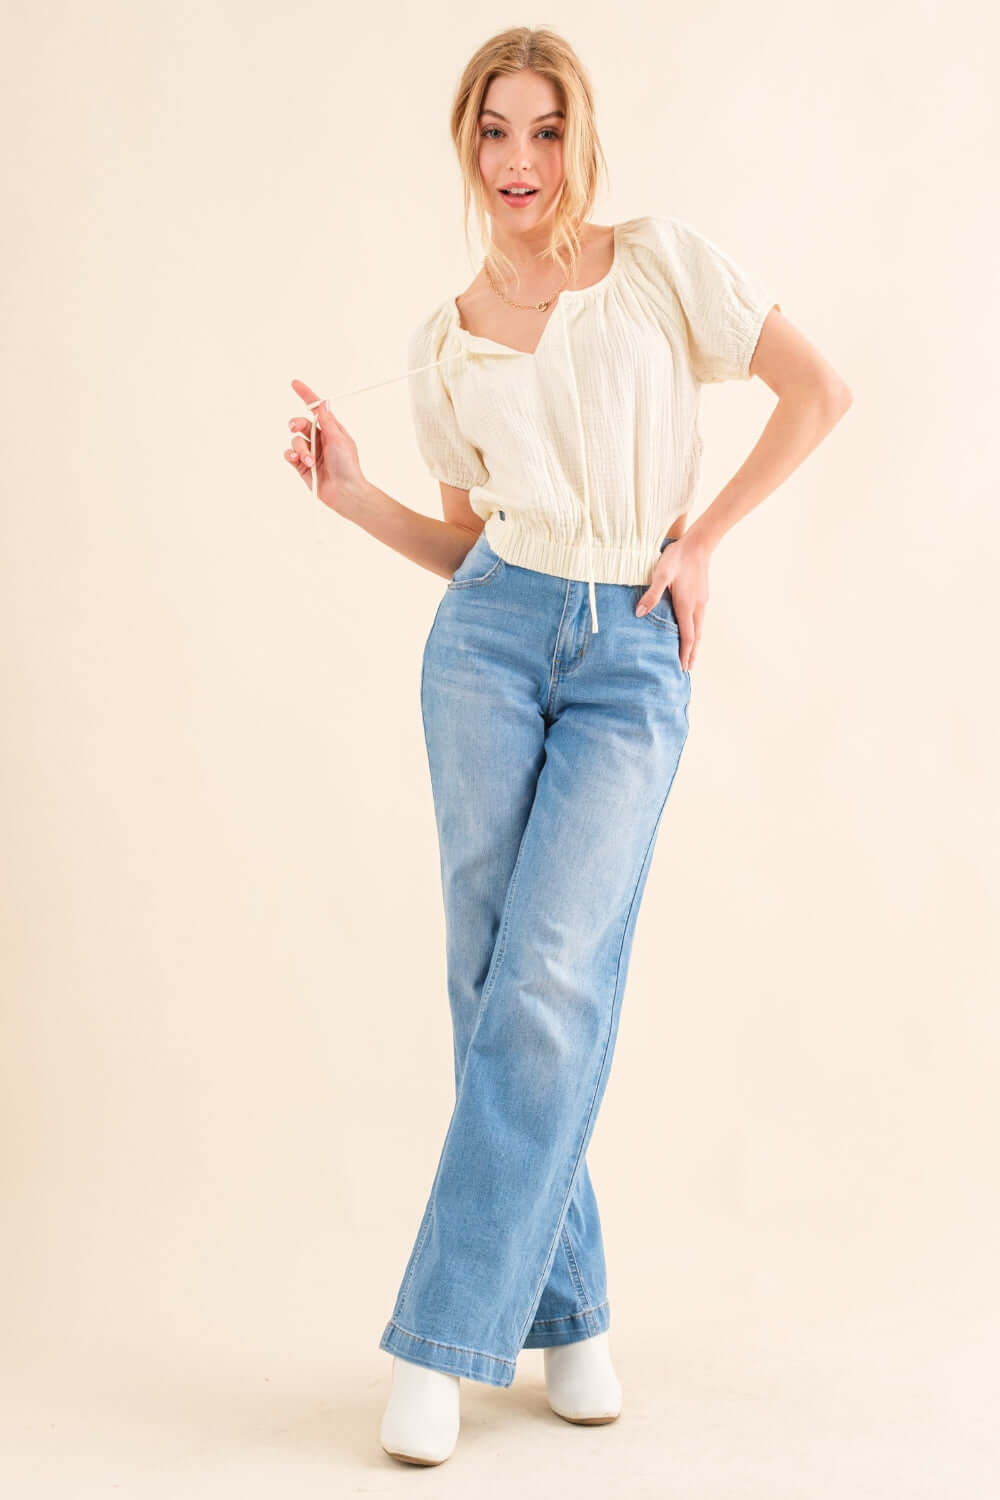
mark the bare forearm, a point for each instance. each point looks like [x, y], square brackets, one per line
[439, 546]
[796, 426]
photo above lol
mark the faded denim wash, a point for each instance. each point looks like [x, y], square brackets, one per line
[552, 750]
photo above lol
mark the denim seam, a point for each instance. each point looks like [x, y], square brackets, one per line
[459, 1348]
[607, 1039]
[569, 1191]
[464, 583]
[574, 1269]
[584, 1312]
[426, 1222]
[423, 659]
[597, 1082]
[555, 675]
[667, 625]
[666, 621]
[500, 948]
[421, 1237]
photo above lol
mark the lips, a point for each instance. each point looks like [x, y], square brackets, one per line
[508, 193]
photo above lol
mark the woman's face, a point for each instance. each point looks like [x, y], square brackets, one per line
[520, 141]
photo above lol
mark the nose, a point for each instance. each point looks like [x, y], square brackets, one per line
[520, 155]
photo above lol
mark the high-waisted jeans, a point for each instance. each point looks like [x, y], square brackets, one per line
[552, 751]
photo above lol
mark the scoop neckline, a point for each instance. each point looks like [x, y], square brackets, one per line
[580, 291]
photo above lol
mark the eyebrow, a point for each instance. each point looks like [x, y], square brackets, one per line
[553, 114]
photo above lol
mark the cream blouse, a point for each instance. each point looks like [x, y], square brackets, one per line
[579, 455]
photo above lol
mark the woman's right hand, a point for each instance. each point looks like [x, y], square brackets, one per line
[338, 472]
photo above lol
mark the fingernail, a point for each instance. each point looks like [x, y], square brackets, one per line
[308, 459]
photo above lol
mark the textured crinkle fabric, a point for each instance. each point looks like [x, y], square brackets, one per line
[578, 456]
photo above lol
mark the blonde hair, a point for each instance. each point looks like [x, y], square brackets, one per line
[549, 55]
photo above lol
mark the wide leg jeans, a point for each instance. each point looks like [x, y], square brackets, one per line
[552, 750]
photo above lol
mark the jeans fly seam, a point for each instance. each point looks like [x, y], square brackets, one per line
[554, 673]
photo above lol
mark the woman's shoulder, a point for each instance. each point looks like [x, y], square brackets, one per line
[658, 234]
[428, 335]
[673, 242]
[672, 257]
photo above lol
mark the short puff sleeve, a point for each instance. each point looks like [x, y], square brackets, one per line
[447, 452]
[723, 307]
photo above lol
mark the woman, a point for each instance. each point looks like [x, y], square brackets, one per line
[556, 402]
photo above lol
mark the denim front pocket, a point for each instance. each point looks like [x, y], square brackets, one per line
[662, 613]
[479, 565]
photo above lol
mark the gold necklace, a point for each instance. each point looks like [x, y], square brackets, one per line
[523, 306]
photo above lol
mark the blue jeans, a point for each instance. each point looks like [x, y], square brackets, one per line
[552, 751]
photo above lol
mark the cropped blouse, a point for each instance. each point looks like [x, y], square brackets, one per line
[578, 456]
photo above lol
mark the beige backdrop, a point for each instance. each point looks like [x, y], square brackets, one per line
[226, 1054]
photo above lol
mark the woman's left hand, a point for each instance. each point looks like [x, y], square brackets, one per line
[683, 569]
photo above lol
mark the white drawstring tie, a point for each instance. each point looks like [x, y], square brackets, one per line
[586, 481]
[357, 391]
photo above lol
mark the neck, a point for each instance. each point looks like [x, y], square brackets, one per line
[527, 251]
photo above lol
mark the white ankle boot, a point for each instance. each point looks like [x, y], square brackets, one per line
[581, 1382]
[421, 1421]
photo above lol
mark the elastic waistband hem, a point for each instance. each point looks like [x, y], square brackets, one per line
[612, 564]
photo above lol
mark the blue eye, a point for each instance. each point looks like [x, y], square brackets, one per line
[546, 130]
